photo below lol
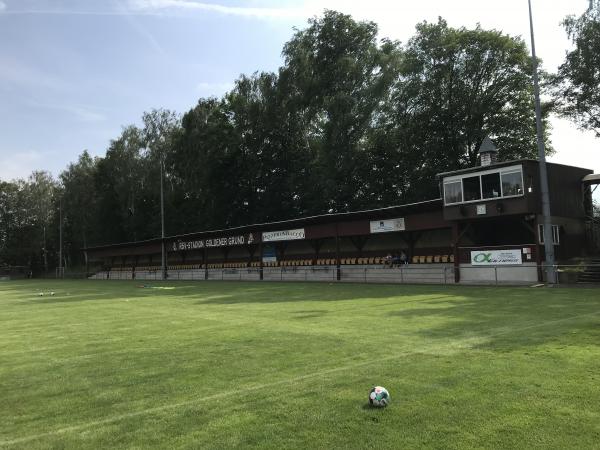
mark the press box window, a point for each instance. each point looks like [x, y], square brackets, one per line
[453, 192]
[555, 234]
[512, 184]
[490, 185]
[471, 189]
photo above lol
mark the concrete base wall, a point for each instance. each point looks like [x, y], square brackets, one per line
[121, 275]
[524, 274]
[421, 273]
[410, 273]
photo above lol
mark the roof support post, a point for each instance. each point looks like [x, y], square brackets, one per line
[337, 253]
[455, 241]
[260, 261]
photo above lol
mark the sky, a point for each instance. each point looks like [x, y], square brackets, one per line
[74, 72]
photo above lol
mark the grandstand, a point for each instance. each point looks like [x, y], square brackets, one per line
[492, 210]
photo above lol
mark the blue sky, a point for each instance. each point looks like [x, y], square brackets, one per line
[72, 73]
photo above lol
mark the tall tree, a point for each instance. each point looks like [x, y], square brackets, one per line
[79, 203]
[206, 167]
[119, 180]
[17, 226]
[578, 78]
[41, 189]
[161, 127]
[455, 87]
[339, 75]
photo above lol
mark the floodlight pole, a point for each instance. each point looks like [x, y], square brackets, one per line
[162, 221]
[547, 229]
[60, 244]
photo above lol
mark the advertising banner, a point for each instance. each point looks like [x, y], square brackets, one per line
[269, 254]
[496, 257]
[387, 225]
[284, 235]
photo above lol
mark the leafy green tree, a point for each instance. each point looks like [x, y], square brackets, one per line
[578, 78]
[40, 191]
[16, 224]
[27, 232]
[206, 167]
[338, 76]
[455, 87]
[79, 203]
[272, 154]
[119, 181]
[161, 128]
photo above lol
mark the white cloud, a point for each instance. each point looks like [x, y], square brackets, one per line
[574, 147]
[172, 7]
[80, 112]
[18, 73]
[191, 5]
[20, 164]
[216, 89]
[2, 6]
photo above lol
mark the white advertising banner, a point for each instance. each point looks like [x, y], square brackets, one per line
[387, 225]
[496, 257]
[284, 235]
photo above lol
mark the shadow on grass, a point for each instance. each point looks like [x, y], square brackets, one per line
[497, 317]
[511, 318]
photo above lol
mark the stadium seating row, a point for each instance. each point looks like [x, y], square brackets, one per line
[432, 259]
[147, 268]
[417, 259]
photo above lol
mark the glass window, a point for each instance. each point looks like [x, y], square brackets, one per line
[471, 188]
[512, 184]
[490, 185]
[555, 234]
[453, 192]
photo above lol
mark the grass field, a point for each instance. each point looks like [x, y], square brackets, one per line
[271, 365]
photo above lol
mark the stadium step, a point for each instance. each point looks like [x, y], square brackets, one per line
[591, 274]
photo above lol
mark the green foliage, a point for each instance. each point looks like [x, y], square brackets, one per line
[338, 77]
[27, 231]
[578, 78]
[455, 87]
[80, 202]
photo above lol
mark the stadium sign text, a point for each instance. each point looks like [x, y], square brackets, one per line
[495, 257]
[284, 235]
[214, 242]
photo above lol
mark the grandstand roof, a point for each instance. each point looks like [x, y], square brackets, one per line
[390, 211]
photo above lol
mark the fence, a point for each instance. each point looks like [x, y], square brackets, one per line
[403, 274]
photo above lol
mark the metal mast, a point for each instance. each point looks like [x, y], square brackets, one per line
[548, 244]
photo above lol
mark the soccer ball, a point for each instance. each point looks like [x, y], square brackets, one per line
[379, 396]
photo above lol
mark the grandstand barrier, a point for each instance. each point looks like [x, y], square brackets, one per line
[325, 271]
[436, 273]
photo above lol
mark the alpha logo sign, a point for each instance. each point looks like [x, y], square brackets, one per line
[496, 257]
[283, 235]
[197, 244]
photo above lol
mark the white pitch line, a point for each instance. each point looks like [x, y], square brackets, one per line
[292, 380]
